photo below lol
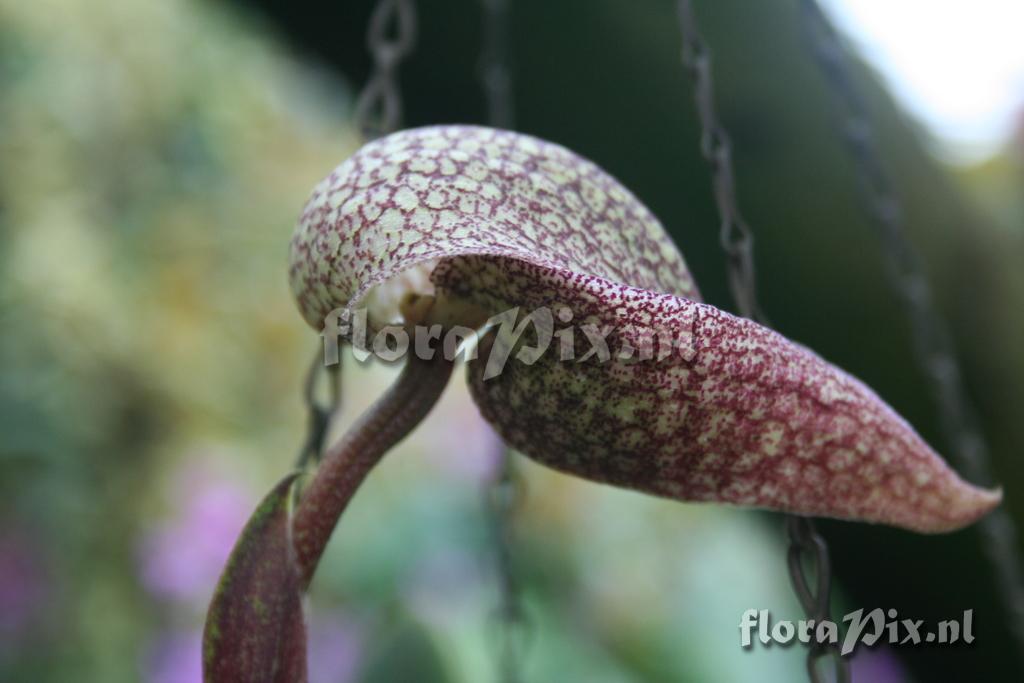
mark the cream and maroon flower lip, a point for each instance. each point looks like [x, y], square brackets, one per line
[483, 220]
[452, 224]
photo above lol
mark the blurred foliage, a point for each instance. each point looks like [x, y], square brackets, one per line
[153, 158]
[152, 155]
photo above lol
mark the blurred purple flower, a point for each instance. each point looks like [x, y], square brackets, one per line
[878, 665]
[23, 582]
[176, 658]
[182, 558]
[335, 648]
[463, 444]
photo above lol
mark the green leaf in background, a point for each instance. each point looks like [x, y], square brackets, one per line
[406, 653]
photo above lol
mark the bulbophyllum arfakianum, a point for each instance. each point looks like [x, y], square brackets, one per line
[453, 225]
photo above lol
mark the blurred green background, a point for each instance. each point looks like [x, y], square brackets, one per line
[154, 155]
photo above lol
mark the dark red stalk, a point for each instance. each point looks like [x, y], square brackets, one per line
[347, 463]
[255, 629]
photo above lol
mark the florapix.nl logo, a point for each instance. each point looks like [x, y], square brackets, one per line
[524, 336]
[867, 628]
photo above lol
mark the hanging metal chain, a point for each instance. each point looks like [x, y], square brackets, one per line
[378, 112]
[933, 345]
[320, 414]
[735, 235]
[495, 72]
[505, 491]
[503, 497]
[379, 108]
[807, 549]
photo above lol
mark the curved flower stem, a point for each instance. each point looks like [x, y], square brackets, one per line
[347, 462]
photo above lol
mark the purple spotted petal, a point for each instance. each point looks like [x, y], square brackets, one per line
[736, 413]
[389, 212]
[487, 220]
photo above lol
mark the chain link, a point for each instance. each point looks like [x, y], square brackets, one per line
[320, 414]
[379, 107]
[735, 235]
[505, 491]
[932, 343]
[495, 72]
[503, 497]
[378, 111]
[807, 549]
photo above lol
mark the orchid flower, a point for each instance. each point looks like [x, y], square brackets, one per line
[453, 225]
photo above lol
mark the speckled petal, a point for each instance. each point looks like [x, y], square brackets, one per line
[389, 212]
[737, 414]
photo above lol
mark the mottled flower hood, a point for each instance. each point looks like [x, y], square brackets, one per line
[487, 220]
[454, 224]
